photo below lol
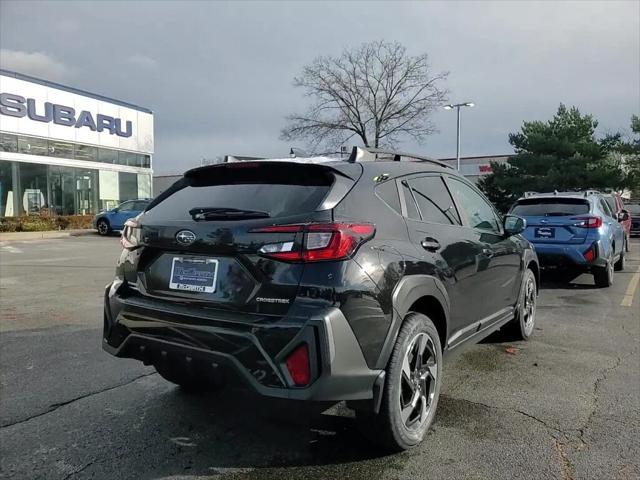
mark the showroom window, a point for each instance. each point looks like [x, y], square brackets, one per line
[61, 149]
[8, 143]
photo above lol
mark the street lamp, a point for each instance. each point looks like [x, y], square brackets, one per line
[457, 107]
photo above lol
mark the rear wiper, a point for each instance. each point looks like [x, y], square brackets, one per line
[216, 213]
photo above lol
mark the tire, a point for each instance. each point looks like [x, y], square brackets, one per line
[190, 382]
[103, 227]
[411, 389]
[620, 264]
[603, 276]
[523, 323]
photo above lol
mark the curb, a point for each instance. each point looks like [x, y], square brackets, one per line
[18, 236]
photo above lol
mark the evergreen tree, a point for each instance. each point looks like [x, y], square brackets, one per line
[560, 154]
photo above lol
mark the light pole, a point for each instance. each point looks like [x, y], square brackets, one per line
[457, 107]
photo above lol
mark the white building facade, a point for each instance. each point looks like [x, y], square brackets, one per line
[65, 151]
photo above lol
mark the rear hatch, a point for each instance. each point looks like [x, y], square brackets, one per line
[203, 239]
[553, 219]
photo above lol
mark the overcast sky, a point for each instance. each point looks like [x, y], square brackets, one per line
[218, 75]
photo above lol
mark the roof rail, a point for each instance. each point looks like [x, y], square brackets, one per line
[367, 154]
[591, 192]
[530, 194]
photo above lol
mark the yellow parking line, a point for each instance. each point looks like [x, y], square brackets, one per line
[627, 300]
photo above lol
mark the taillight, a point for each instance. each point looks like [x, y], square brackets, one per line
[588, 222]
[320, 241]
[298, 365]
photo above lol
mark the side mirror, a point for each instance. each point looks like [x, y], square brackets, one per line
[514, 225]
[623, 216]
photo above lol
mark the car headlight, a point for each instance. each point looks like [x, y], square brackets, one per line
[131, 234]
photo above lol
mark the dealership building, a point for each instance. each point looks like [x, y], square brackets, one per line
[66, 151]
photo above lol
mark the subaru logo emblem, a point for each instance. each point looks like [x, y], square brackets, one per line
[185, 237]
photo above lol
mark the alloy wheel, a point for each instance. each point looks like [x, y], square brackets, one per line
[418, 381]
[103, 228]
[529, 306]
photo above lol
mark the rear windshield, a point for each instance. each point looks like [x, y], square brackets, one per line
[278, 191]
[634, 209]
[546, 207]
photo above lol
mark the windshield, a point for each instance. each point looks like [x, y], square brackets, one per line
[547, 207]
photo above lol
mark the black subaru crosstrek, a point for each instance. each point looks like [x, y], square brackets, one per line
[329, 281]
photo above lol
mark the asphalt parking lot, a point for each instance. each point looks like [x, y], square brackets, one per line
[565, 405]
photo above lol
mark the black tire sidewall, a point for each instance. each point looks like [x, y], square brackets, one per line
[399, 436]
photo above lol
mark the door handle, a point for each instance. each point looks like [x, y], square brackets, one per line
[430, 244]
[487, 252]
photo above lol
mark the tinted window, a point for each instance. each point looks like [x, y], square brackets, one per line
[127, 206]
[280, 190]
[611, 202]
[546, 207]
[604, 206]
[478, 211]
[434, 202]
[388, 192]
[412, 210]
[141, 205]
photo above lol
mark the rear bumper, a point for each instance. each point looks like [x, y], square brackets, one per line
[254, 351]
[568, 256]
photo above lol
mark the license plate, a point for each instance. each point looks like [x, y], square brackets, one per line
[545, 232]
[194, 274]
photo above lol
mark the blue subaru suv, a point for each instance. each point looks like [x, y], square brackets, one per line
[575, 231]
[108, 220]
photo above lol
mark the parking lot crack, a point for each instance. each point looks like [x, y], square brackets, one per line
[55, 406]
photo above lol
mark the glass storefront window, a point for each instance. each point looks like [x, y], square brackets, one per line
[107, 156]
[128, 186]
[60, 149]
[85, 152]
[33, 146]
[6, 190]
[32, 194]
[8, 143]
[124, 158]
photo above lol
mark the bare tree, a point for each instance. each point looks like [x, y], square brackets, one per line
[375, 92]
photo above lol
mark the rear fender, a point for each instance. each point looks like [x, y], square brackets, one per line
[409, 290]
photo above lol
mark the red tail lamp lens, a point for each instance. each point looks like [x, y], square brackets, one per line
[590, 254]
[322, 241]
[588, 222]
[298, 365]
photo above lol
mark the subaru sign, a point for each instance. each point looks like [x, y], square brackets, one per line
[18, 106]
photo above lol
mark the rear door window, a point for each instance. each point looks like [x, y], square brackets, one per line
[549, 207]
[434, 201]
[611, 202]
[479, 212]
[278, 190]
[410, 203]
[388, 192]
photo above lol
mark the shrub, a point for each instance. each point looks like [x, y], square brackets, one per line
[40, 223]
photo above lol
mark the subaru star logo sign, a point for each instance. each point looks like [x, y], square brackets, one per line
[185, 237]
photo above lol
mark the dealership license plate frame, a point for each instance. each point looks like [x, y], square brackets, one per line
[194, 281]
